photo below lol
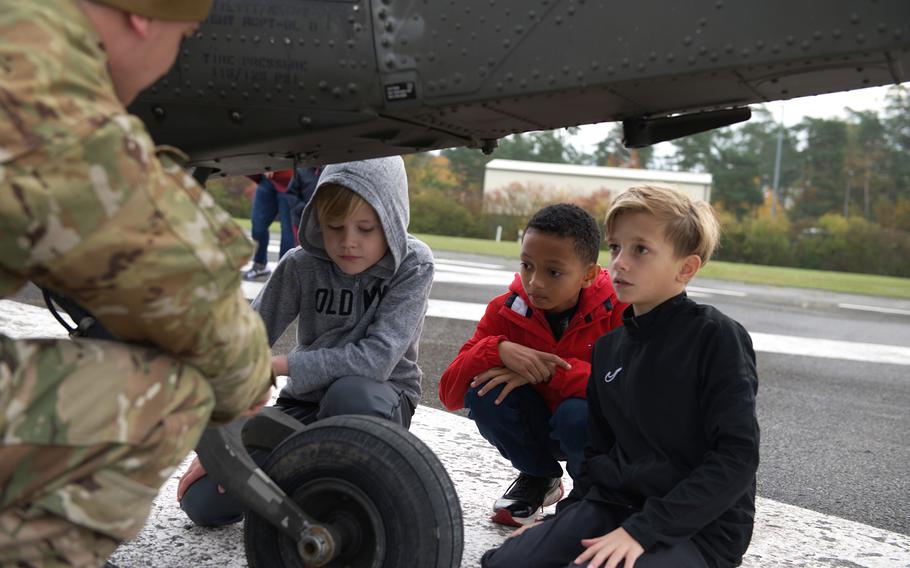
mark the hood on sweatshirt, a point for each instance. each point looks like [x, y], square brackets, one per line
[381, 182]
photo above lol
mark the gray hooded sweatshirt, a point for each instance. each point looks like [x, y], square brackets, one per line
[366, 325]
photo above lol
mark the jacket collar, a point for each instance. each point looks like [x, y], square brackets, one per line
[644, 326]
[599, 293]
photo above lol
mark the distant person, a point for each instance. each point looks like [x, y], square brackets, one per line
[300, 191]
[270, 201]
[358, 287]
[524, 372]
[668, 479]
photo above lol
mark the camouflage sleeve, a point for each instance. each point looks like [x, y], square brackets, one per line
[130, 236]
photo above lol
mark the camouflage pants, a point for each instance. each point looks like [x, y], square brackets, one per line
[89, 431]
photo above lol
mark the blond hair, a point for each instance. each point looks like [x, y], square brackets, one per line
[336, 203]
[691, 226]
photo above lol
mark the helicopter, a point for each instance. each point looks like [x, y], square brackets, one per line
[272, 84]
[265, 84]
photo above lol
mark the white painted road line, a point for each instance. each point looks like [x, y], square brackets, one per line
[480, 274]
[455, 310]
[445, 266]
[473, 279]
[762, 342]
[715, 291]
[13, 315]
[830, 348]
[878, 309]
[467, 263]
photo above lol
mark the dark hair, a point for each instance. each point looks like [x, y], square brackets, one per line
[570, 221]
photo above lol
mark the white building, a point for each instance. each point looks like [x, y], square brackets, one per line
[566, 181]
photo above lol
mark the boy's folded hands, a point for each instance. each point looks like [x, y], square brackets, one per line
[536, 366]
[491, 378]
[521, 366]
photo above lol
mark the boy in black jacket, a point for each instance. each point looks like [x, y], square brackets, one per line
[669, 473]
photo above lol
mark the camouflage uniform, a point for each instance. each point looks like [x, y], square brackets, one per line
[89, 430]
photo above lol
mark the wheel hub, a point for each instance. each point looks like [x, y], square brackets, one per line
[351, 517]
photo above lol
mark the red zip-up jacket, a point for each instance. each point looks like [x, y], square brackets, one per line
[510, 317]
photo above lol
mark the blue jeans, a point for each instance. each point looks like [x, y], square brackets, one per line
[527, 434]
[269, 203]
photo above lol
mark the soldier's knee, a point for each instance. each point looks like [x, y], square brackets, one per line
[171, 430]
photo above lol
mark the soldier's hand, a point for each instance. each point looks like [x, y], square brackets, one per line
[190, 476]
[536, 366]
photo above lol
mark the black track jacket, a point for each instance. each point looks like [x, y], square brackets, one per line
[672, 430]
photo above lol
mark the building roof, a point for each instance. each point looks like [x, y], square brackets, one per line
[599, 172]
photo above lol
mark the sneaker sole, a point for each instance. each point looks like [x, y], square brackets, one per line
[504, 517]
[551, 498]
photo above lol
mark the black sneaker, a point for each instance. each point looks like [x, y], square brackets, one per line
[524, 499]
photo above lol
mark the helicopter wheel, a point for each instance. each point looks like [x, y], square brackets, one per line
[378, 484]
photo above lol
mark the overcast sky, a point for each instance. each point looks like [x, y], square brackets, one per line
[819, 106]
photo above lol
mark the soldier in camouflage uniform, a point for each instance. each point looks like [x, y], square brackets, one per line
[89, 430]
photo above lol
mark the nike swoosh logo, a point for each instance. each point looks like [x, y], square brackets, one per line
[611, 375]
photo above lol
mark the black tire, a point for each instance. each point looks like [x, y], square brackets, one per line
[375, 474]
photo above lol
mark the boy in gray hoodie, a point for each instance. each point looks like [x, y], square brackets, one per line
[358, 286]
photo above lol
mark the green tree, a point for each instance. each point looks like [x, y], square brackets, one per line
[436, 198]
[731, 157]
[611, 152]
[824, 179]
[867, 152]
[550, 146]
[896, 122]
[467, 165]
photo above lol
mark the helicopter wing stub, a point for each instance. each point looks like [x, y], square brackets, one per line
[268, 82]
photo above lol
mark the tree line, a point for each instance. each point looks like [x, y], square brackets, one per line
[842, 200]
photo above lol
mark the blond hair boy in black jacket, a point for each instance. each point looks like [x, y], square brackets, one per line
[668, 478]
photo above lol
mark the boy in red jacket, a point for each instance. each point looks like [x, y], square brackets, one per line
[524, 373]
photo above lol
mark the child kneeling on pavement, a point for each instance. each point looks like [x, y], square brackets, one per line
[358, 286]
[668, 479]
[524, 372]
